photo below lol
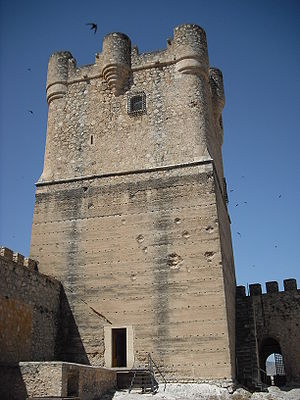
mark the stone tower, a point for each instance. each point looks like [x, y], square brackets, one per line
[130, 211]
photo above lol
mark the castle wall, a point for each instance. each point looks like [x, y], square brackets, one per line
[29, 319]
[273, 315]
[130, 212]
[228, 271]
[147, 256]
[30, 306]
[60, 379]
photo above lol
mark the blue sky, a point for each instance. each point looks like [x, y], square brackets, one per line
[254, 43]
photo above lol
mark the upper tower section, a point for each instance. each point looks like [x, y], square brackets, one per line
[129, 111]
[190, 49]
[58, 72]
[116, 60]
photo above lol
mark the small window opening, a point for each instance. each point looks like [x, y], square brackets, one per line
[136, 103]
[92, 139]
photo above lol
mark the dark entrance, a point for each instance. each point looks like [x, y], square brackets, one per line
[72, 384]
[269, 347]
[119, 349]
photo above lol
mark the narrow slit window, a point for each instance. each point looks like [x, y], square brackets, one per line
[92, 139]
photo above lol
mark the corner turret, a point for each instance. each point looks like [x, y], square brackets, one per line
[190, 49]
[58, 71]
[116, 51]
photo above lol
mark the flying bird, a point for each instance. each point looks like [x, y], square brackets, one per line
[239, 233]
[93, 26]
[30, 111]
[29, 69]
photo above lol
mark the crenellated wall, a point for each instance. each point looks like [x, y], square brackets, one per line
[29, 310]
[88, 108]
[36, 327]
[268, 323]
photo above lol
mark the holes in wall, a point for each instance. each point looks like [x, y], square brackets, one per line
[92, 139]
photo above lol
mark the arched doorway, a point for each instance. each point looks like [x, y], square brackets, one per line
[271, 363]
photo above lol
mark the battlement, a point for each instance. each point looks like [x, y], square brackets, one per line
[255, 289]
[90, 108]
[18, 259]
[118, 59]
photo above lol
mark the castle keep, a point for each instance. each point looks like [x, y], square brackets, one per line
[132, 237]
[130, 212]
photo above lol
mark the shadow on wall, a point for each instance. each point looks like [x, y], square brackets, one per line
[12, 386]
[109, 395]
[69, 346]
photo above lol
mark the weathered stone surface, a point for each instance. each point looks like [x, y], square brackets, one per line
[45, 379]
[268, 323]
[29, 311]
[130, 210]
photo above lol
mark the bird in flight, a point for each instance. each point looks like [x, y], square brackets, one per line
[93, 26]
[30, 111]
[239, 233]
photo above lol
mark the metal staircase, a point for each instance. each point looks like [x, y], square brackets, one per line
[144, 378]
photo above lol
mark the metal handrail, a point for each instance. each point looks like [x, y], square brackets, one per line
[151, 363]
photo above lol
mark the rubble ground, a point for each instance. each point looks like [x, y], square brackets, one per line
[207, 392]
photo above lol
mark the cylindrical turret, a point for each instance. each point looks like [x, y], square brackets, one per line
[116, 52]
[217, 89]
[57, 76]
[190, 49]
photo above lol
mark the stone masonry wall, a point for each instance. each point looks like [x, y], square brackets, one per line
[181, 123]
[59, 379]
[130, 212]
[143, 253]
[272, 315]
[30, 306]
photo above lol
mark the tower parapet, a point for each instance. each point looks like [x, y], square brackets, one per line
[57, 77]
[190, 49]
[18, 259]
[255, 289]
[116, 53]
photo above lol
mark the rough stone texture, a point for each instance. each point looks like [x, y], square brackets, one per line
[208, 392]
[29, 310]
[130, 210]
[66, 379]
[263, 319]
